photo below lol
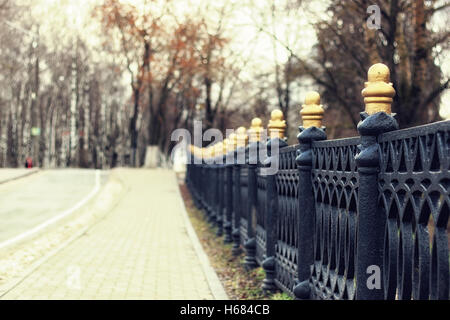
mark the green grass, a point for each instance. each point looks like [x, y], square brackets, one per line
[281, 296]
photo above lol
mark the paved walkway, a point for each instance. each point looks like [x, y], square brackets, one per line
[7, 175]
[145, 248]
[32, 201]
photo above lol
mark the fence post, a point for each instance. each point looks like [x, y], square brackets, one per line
[201, 179]
[221, 181]
[206, 181]
[277, 127]
[209, 182]
[239, 154]
[194, 177]
[187, 177]
[190, 171]
[375, 120]
[198, 180]
[215, 187]
[228, 225]
[253, 159]
[310, 131]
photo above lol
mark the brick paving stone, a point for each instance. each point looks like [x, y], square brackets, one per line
[140, 250]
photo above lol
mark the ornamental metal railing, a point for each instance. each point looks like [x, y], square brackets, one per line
[335, 184]
[356, 218]
[413, 187]
[286, 245]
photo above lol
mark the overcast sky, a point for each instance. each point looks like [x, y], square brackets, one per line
[64, 17]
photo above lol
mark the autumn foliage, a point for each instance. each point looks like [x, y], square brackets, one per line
[170, 60]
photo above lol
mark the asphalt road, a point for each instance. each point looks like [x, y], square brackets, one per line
[30, 202]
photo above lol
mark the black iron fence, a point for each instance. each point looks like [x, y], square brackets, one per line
[356, 218]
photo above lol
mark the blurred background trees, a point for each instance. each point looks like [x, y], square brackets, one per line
[406, 41]
[57, 104]
[92, 84]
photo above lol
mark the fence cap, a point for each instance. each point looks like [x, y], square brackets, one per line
[212, 151]
[312, 111]
[277, 124]
[232, 142]
[218, 148]
[195, 151]
[242, 137]
[204, 153]
[378, 91]
[225, 146]
[255, 130]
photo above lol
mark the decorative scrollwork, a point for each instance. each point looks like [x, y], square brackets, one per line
[286, 249]
[414, 197]
[244, 200]
[335, 184]
[260, 233]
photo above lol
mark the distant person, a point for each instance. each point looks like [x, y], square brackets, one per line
[29, 163]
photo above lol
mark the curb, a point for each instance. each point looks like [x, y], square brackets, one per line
[213, 280]
[29, 173]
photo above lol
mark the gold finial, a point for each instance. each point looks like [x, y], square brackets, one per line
[210, 152]
[255, 130]
[195, 151]
[378, 91]
[312, 111]
[218, 149]
[277, 124]
[242, 137]
[225, 146]
[204, 153]
[232, 142]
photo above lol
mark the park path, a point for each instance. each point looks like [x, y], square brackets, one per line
[7, 175]
[34, 200]
[145, 248]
